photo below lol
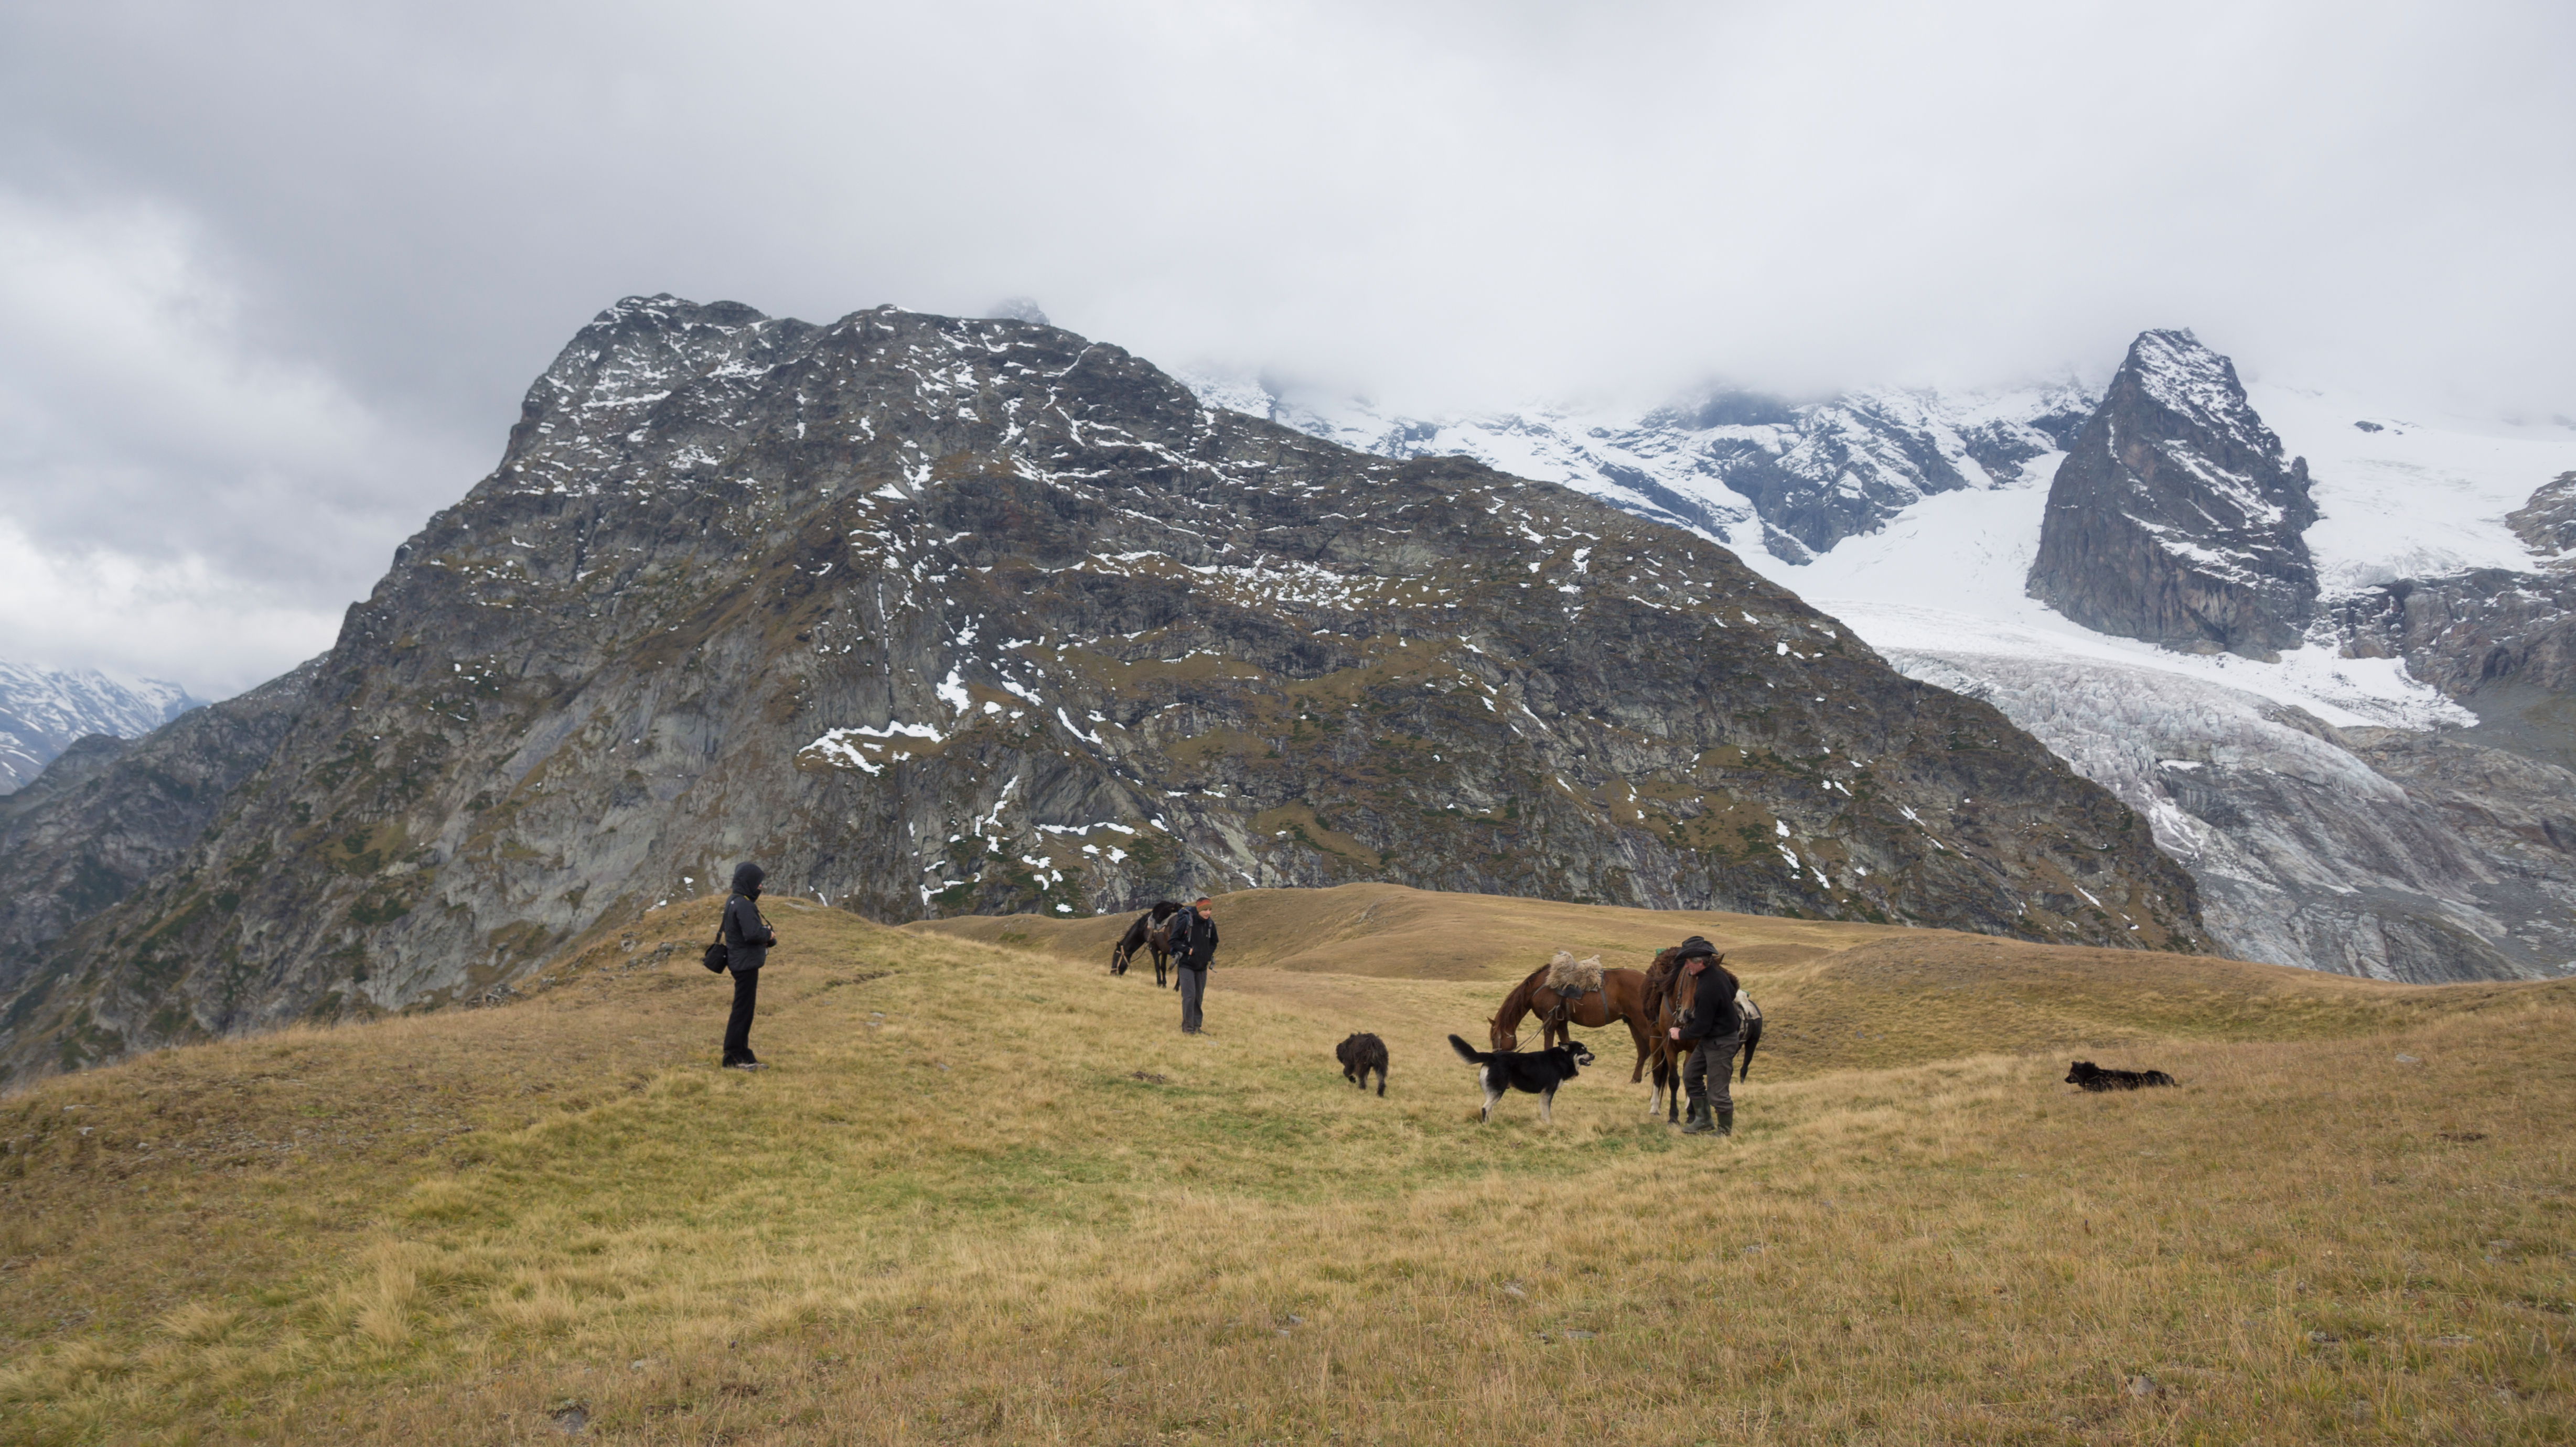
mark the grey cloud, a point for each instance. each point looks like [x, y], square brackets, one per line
[395, 216]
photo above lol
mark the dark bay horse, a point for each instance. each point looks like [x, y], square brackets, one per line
[1151, 931]
[1621, 998]
[1669, 991]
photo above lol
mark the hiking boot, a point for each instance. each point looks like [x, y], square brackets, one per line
[1698, 1123]
[1726, 1122]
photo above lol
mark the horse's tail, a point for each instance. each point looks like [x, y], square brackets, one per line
[1471, 1056]
[1752, 1032]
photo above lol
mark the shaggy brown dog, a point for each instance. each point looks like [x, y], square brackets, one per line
[1359, 1055]
[2094, 1077]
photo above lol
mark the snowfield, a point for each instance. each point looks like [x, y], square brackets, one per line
[2417, 498]
[1944, 579]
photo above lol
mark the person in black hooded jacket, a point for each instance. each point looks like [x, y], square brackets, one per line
[747, 940]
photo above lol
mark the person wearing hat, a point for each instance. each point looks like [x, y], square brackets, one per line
[1714, 1031]
[747, 939]
[1193, 950]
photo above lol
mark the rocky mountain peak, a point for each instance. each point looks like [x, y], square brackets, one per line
[2190, 381]
[44, 711]
[937, 616]
[2174, 518]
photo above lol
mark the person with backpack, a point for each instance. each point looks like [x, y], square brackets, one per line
[1193, 950]
[1714, 1031]
[747, 939]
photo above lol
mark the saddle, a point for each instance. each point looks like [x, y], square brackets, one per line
[1570, 979]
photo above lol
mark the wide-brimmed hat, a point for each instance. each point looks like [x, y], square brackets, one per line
[1697, 948]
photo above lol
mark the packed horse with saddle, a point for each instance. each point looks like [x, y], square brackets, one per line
[1684, 1012]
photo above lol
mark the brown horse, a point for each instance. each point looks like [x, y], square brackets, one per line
[1621, 998]
[1667, 993]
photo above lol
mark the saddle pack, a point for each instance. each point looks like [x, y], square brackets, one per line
[1570, 979]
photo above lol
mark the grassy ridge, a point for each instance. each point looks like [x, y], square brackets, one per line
[989, 1194]
[1384, 930]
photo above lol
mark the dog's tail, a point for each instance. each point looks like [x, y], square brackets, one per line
[1472, 1057]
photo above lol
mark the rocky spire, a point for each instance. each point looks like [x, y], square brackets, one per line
[2173, 519]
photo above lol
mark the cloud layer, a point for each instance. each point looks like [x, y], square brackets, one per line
[272, 275]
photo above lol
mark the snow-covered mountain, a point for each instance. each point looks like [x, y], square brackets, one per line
[2386, 795]
[1774, 480]
[42, 711]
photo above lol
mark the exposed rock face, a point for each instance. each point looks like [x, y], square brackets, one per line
[2547, 523]
[2397, 855]
[106, 814]
[2173, 519]
[1792, 479]
[938, 616]
[42, 712]
[2500, 643]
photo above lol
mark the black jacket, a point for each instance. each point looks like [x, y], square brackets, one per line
[1712, 1014]
[747, 936]
[1193, 940]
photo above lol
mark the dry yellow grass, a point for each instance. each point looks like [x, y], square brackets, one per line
[991, 1195]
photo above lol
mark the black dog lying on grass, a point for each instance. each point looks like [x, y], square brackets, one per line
[2093, 1077]
[1359, 1055]
[1539, 1074]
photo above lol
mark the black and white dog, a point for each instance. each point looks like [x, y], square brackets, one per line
[1359, 1055]
[2094, 1078]
[1539, 1073]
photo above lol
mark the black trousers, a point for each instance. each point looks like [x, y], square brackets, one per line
[1714, 1055]
[1193, 985]
[746, 993]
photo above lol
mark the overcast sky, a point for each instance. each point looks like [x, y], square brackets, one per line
[273, 276]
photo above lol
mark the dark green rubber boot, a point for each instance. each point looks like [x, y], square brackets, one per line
[1698, 1123]
[1726, 1122]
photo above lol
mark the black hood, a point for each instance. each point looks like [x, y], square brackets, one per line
[747, 878]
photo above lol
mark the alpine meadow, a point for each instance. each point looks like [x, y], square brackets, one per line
[986, 1194]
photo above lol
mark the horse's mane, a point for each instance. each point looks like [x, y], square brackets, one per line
[1517, 1003]
[1664, 976]
[1659, 978]
[1164, 909]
